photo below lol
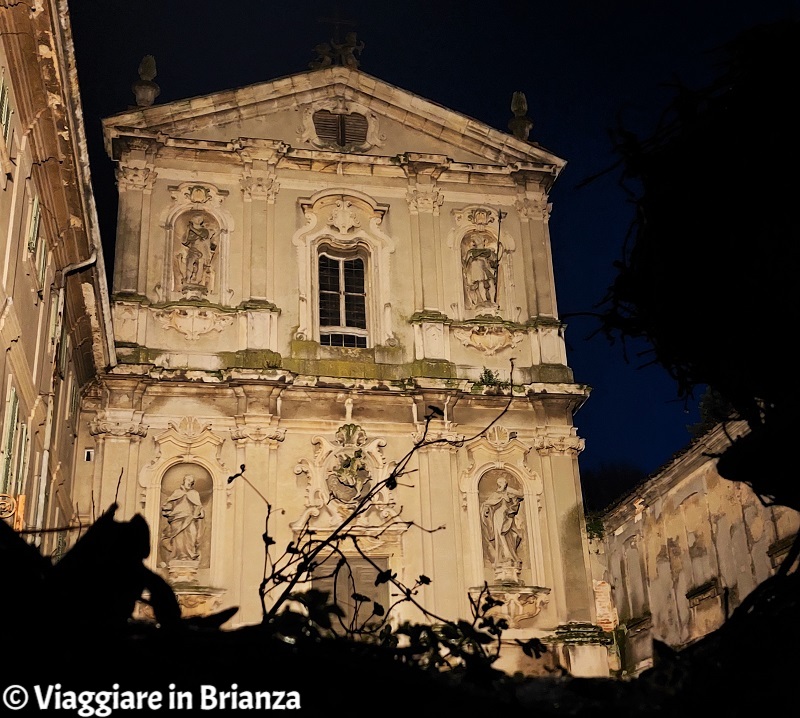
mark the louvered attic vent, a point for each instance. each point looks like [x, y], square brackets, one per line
[343, 131]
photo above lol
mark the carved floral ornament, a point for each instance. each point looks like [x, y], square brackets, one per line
[260, 185]
[424, 198]
[532, 208]
[197, 193]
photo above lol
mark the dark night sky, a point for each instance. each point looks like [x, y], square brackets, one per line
[581, 63]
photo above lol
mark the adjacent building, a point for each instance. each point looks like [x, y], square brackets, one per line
[54, 311]
[681, 551]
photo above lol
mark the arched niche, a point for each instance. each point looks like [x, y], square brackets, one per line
[185, 447]
[504, 539]
[185, 528]
[495, 456]
[484, 251]
[197, 232]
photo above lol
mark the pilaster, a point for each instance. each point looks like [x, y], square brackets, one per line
[136, 175]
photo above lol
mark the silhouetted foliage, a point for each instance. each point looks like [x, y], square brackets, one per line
[707, 280]
[70, 624]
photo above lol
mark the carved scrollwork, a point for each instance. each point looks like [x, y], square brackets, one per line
[519, 606]
[559, 445]
[488, 338]
[257, 434]
[193, 322]
[8, 506]
[101, 426]
[136, 176]
[424, 199]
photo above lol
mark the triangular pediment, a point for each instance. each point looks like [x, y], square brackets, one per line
[281, 110]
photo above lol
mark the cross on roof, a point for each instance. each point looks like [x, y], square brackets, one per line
[336, 22]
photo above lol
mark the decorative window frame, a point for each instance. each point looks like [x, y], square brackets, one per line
[347, 221]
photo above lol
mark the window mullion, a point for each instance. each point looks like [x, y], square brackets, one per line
[342, 296]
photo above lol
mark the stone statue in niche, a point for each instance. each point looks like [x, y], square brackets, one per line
[195, 256]
[502, 530]
[480, 263]
[185, 515]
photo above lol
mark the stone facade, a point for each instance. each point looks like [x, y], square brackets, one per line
[682, 551]
[303, 268]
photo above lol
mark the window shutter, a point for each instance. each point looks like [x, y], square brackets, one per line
[341, 130]
[327, 126]
[355, 129]
[33, 228]
[5, 110]
[9, 434]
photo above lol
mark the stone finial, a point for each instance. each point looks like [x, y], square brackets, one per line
[144, 88]
[520, 124]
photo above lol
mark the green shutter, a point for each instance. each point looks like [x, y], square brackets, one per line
[33, 227]
[9, 432]
[5, 110]
[21, 460]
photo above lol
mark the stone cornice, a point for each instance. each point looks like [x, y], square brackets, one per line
[280, 156]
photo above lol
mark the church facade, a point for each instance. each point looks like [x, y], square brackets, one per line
[316, 277]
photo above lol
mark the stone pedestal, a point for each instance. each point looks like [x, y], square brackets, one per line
[183, 571]
[520, 604]
[582, 649]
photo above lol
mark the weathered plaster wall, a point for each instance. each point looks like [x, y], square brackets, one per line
[684, 549]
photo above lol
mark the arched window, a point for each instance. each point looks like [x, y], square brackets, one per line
[342, 298]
